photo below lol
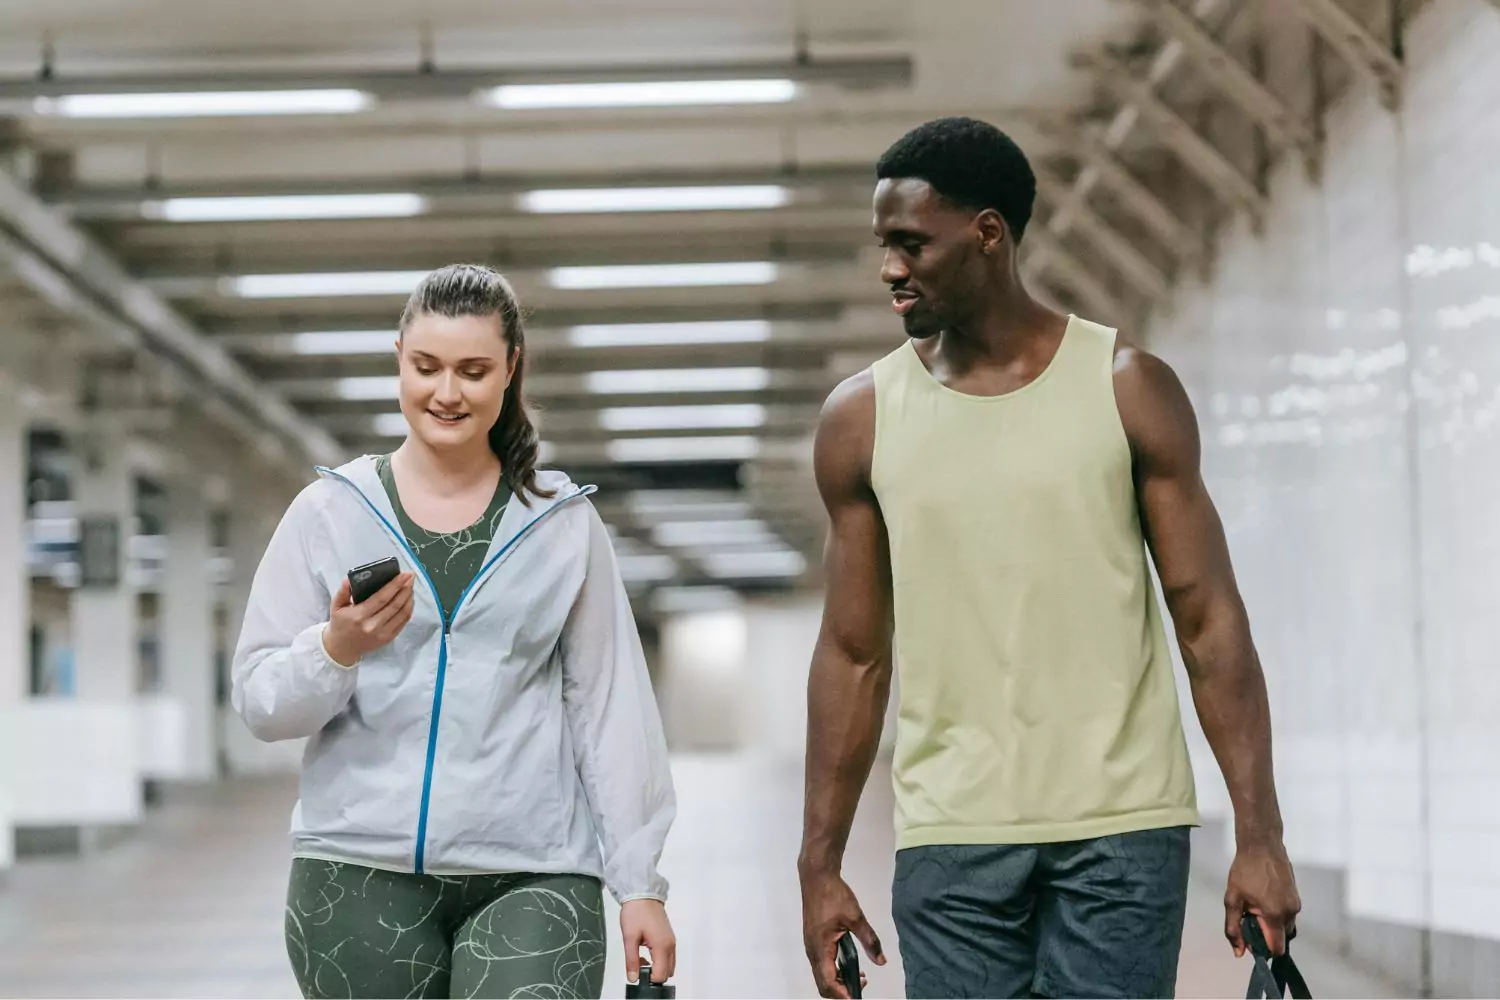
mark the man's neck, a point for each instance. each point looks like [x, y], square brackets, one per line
[1011, 326]
[447, 472]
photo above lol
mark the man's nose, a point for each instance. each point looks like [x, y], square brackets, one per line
[892, 269]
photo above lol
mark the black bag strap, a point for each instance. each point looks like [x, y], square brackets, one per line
[1273, 976]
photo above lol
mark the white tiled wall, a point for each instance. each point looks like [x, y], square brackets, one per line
[1345, 365]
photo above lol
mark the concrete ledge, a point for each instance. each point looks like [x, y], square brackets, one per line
[1464, 966]
[72, 841]
[70, 763]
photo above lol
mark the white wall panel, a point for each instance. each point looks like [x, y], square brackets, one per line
[1363, 528]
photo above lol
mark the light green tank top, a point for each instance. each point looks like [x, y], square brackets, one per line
[1037, 698]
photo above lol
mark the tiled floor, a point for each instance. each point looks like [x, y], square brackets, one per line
[191, 906]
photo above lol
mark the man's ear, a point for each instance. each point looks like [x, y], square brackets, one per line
[993, 231]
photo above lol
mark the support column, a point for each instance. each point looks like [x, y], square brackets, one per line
[15, 574]
[251, 524]
[187, 626]
[104, 616]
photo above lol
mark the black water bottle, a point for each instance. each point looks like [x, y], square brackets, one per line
[644, 988]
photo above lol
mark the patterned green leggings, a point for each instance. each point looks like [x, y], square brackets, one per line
[360, 932]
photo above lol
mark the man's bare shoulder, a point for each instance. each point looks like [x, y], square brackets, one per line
[845, 444]
[1153, 404]
[851, 403]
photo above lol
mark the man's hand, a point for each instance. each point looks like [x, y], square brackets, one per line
[1261, 882]
[644, 923]
[828, 910]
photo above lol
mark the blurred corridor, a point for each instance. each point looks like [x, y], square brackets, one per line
[192, 907]
[212, 215]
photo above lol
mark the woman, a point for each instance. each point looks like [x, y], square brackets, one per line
[484, 746]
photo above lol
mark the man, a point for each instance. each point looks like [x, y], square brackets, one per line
[993, 485]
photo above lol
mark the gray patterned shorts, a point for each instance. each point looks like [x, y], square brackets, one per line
[1091, 918]
[360, 932]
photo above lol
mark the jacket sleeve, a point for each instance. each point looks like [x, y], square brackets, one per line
[285, 684]
[616, 727]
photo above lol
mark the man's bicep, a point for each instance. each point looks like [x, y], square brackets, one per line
[856, 558]
[1178, 516]
[856, 561]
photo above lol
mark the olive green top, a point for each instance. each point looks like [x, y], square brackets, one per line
[452, 559]
[1038, 702]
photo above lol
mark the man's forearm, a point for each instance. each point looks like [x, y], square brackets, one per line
[846, 705]
[1229, 692]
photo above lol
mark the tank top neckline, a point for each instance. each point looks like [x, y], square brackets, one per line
[1052, 365]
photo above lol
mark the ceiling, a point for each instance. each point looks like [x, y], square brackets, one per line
[867, 70]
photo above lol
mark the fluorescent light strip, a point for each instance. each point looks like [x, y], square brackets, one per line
[642, 95]
[670, 418]
[204, 104]
[391, 425]
[683, 449]
[294, 286]
[646, 568]
[773, 563]
[687, 504]
[650, 380]
[669, 334]
[677, 534]
[656, 199]
[321, 342]
[368, 387]
[677, 600]
[294, 207]
[750, 272]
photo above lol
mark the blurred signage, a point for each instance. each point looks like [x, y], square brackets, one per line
[99, 551]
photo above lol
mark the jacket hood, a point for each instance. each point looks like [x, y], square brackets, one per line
[361, 472]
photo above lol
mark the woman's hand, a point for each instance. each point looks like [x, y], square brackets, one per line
[356, 629]
[644, 922]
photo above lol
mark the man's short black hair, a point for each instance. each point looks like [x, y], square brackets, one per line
[971, 163]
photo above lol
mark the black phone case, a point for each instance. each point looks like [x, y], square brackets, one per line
[848, 965]
[644, 988]
[365, 580]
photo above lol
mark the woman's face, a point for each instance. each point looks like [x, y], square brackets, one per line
[454, 373]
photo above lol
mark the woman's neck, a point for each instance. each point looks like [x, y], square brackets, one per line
[447, 471]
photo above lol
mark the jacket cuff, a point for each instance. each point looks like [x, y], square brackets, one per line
[328, 657]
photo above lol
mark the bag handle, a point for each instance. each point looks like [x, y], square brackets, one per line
[1273, 975]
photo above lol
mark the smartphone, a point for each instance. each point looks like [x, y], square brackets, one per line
[847, 962]
[365, 580]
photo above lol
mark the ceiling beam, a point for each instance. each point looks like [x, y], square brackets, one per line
[462, 195]
[576, 387]
[1047, 251]
[1199, 155]
[1119, 129]
[1283, 125]
[1133, 195]
[1133, 265]
[65, 264]
[1357, 44]
[417, 83]
[560, 427]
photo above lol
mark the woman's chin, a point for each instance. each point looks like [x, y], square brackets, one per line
[441, 438]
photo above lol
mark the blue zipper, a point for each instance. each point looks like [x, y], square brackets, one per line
[448, 619]
[583, 491]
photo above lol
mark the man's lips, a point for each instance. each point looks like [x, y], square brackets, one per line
[903, 302]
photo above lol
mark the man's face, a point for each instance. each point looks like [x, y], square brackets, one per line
[933, 260]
